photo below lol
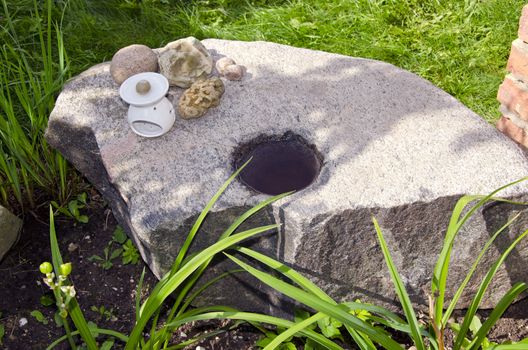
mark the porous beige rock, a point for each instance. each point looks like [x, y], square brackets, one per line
[131, 60]
[234, 72]
[185, 61]
[224, 62]
[201, 96]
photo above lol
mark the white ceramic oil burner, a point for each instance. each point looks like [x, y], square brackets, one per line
[150, 113]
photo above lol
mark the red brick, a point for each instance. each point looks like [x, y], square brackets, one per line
[518, 61]
[523, 24]
[514, 95]
[512, 131]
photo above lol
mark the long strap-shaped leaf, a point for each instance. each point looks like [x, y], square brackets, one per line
[109, 332]
[156, 299]
[73, 307]
[299, 279]
[438, 285]
[400, 290]
[460, 290]
[180, 258]
[318, 304]
[482, 289]
[497, 312]
[182, 294]
[254, 317]
[234, 226]
[201, 218]
[364, 343]
[508, 347]
[309, 286]
[362, 340]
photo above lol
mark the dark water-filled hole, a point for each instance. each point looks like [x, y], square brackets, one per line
[279, 164]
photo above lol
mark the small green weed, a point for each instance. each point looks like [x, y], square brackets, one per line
[126, 250]
[72, 210]
[39, 316]
[130, 253]
[107, 314]
[47, 300]
[106, 260]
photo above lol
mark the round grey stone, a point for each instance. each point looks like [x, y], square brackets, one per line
[131, 60]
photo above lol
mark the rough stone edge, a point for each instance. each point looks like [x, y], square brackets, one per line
[87, 144]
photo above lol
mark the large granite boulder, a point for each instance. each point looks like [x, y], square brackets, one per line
[390, 144]
[10, 226]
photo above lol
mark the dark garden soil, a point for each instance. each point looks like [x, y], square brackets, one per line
[114, 289]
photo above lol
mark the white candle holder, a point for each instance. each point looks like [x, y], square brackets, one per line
[150, 113]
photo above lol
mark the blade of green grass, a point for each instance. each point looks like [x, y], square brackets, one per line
[201, 218]
[496, 314]
[299, 279]
[438, 285]
[460, 290]
[109, 332]
[482, 289]
[296, 328]
[405, 301]
[138, 293]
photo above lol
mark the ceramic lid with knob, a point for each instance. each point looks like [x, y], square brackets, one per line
[144, 89]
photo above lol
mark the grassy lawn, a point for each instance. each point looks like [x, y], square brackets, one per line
[461, 46]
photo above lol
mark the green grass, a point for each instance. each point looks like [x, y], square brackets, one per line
[33, 69]
[460, 45]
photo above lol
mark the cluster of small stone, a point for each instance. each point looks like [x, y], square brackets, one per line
[186, 63]
[513, 92]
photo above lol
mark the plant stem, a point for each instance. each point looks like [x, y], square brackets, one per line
[68, 333]
[439, 330]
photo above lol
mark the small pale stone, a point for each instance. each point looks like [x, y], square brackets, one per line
[185, 61]
[22, 322]
[223, 63]
[131, 60]
[72, 247]
[201, 96]
[233, 72]
[142, 87]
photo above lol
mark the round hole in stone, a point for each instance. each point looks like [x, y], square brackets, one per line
[279, 165]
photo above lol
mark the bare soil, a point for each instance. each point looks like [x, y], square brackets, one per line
[21, 288]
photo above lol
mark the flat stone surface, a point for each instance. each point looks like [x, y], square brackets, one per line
[10, 226]
[394, 146]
